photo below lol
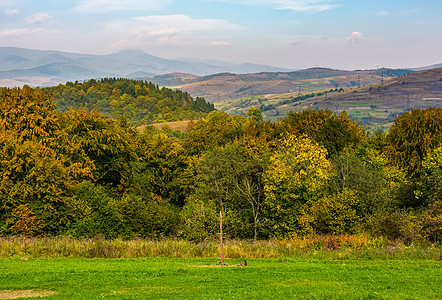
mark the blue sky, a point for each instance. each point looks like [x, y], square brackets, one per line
[344, 34]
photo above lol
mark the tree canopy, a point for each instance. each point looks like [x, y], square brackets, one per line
[82, 172]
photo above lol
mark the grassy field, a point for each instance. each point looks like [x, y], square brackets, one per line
[321, 267]
[179, 278]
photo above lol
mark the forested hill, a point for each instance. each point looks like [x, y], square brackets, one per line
[140, 102]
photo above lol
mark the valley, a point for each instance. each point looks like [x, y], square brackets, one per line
[375, 104]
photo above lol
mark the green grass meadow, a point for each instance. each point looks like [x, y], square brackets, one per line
[181, 278]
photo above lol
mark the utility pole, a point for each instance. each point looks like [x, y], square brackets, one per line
[221, 236]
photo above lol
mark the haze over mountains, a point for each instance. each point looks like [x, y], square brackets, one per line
[20, 66]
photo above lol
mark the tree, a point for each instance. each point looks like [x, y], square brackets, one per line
[35, 186]
[161, 167]
[336, 214]
[334, 132]
[298, 175]
[101, 145]
[217, 129]
[231, 177]
[430, 184]
[412, 137]
[199, 219]
[254, 114]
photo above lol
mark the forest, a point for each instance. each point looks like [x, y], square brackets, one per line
[74, 164]
[139, 102]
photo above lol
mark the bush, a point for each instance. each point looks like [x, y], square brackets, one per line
[432, 222]
[401, 225]
[94, 212]
[335, 214]
[199, 220]
[147, 218]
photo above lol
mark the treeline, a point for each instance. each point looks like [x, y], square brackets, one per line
[140, 102]
[81, 173]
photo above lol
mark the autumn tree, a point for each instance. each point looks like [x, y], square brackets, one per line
[35, 183]
[297, 177]
[430, 184]
[217, 129]
[334, 132]
[101, 145]
[412, 137]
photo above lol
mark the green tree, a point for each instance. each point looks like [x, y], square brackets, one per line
[99, 211]
[254, 114]
[161, 167]
[217, 129]
[199, 219]
[231, 176]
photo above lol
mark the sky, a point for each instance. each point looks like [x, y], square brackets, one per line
[295, 34]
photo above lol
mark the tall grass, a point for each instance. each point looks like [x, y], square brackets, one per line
[317, 247]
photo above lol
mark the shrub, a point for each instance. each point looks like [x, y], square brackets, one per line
[95, 212]
[147, 218]
[335, 214]
[199, 219]
[399, 225]
[432, 222]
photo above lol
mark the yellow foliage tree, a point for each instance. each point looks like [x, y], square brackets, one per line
[297, 176]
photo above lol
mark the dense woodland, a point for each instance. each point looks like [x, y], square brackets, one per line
[139, 102]
[79, 172]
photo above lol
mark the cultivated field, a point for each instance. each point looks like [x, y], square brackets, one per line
[369, 104]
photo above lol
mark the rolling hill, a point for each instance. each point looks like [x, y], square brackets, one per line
[369, 104]
[226, 86]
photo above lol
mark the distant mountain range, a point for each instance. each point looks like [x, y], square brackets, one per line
[20, 66]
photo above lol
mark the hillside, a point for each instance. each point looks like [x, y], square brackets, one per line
[225, 86]
[140, 102]
[368, 104]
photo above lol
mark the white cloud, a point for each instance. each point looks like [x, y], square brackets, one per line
[11, 12]
[186, 23]
[355, 37]
[105, 6]
[38, 19]
[382, 13]
[400, 13]
[408, 12]
[5, 2]
[219, 43]
[169, 31]
[18, 32]
[295, 5]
